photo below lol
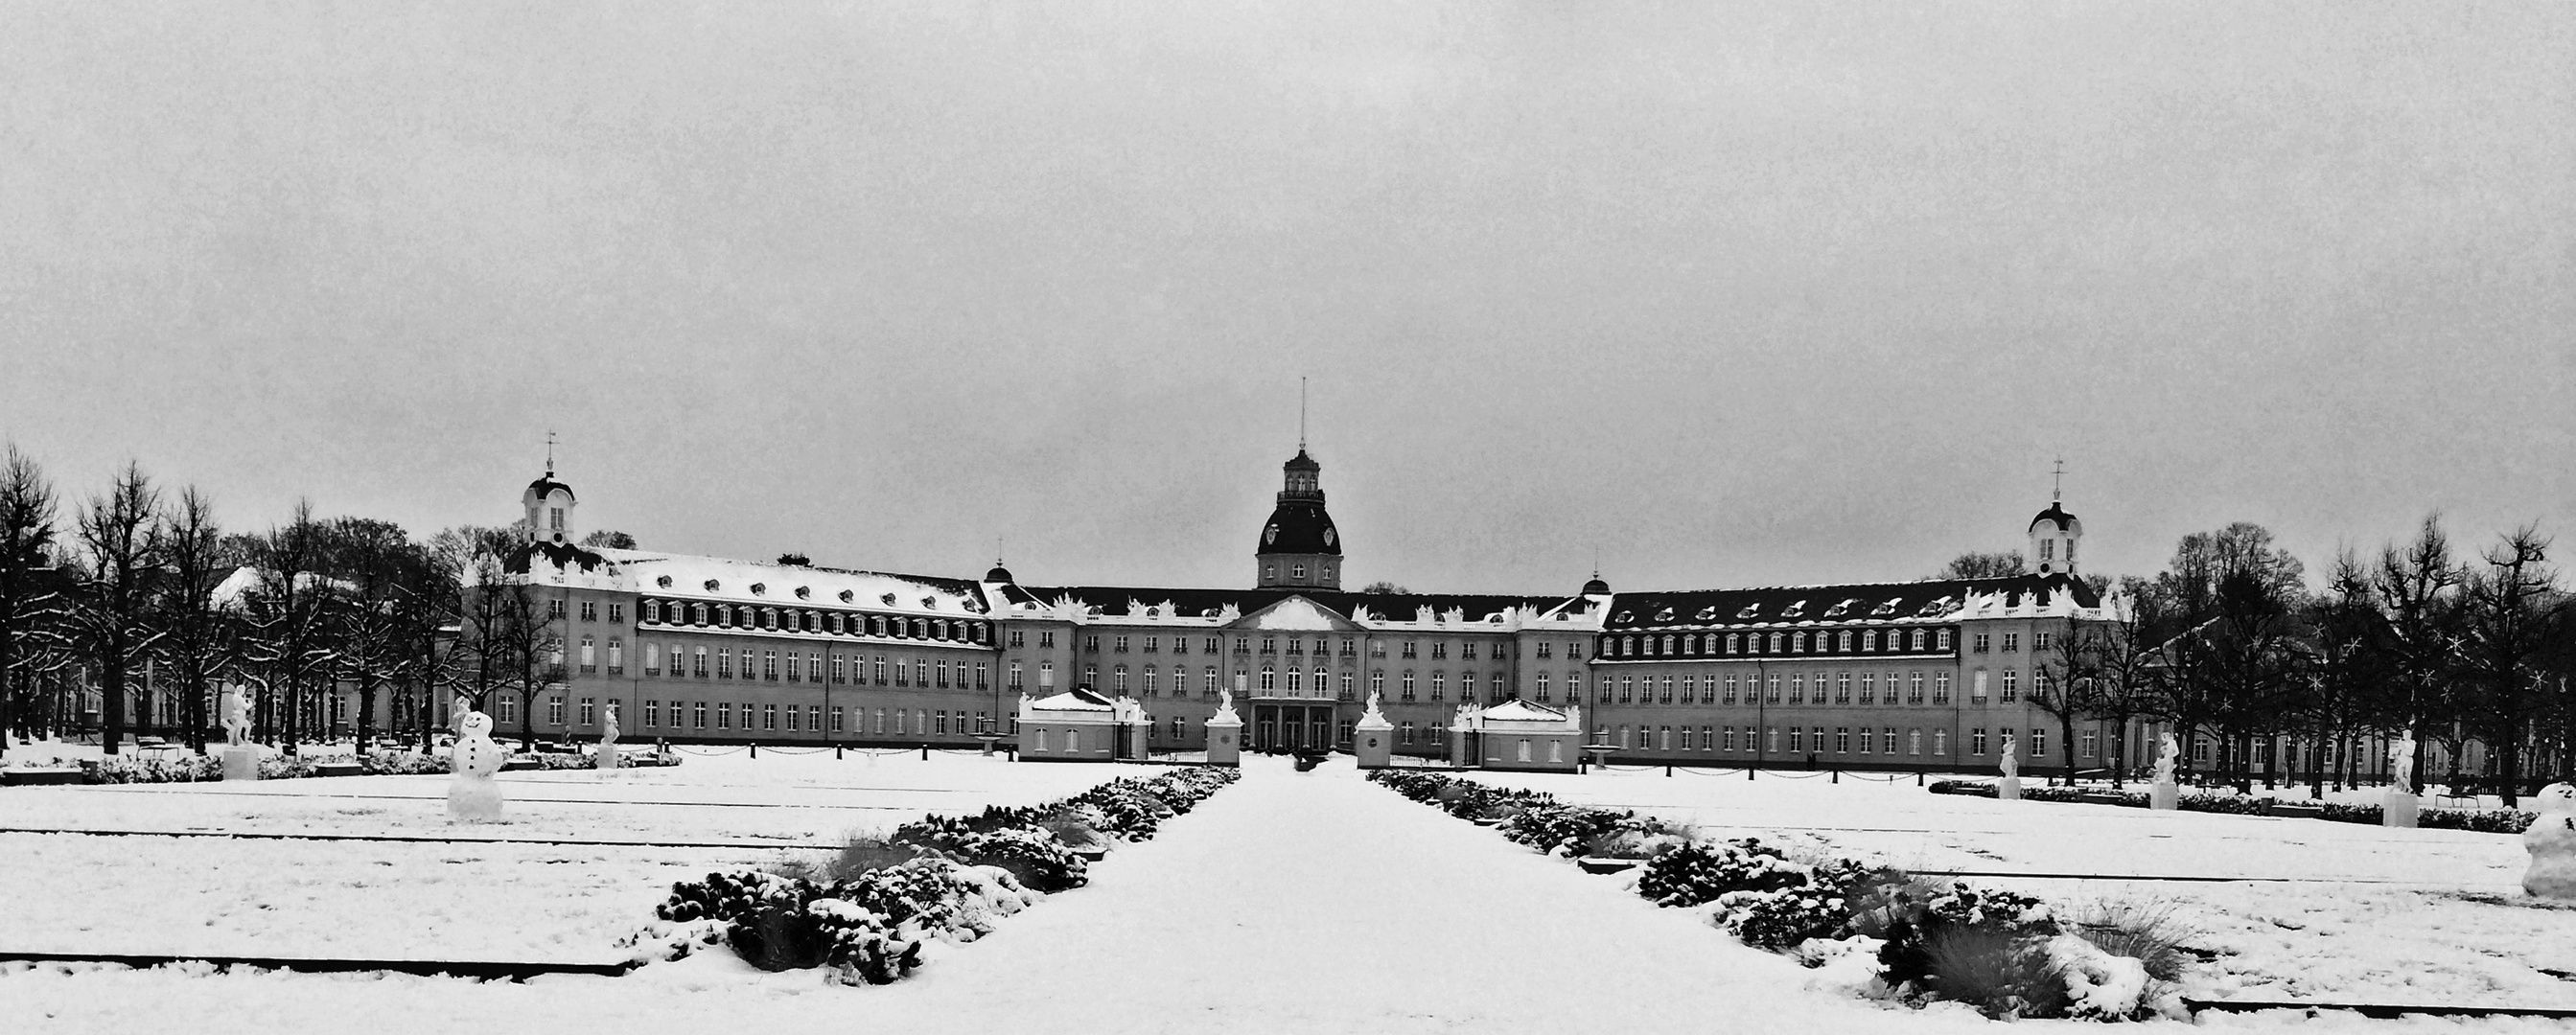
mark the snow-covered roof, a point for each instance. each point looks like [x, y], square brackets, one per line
[718, 579]
[1938, 600]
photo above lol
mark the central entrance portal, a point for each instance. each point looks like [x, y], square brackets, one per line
[1292, 727]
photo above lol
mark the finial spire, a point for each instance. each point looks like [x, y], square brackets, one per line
[550, 454]
[1301, 414]
[2057, 482]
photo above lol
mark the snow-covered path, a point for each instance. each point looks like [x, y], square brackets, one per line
[1288, 903]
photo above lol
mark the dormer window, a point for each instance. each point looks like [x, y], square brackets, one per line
[804, 592]
[758, 588]
[711, 585]
[846, 595]
[663, 582]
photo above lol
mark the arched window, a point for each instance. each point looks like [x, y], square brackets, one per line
[1407, 684]
[1118, 679]
[1269, 678]
[1150, 683]
[1296, 681]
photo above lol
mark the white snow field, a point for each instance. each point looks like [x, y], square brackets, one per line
[1307, 903]
[2342, 912]
[475, 897]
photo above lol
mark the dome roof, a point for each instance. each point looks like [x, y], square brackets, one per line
[547, 484]
[998, 574]
[1595, 587]
[1301, 462]
[1299, 527]
[2057, 515]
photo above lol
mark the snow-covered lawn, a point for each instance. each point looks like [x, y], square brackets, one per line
[1290, 902]
[2347, 912]
[396, 899]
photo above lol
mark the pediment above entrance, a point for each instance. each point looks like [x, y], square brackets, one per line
[1296, 614]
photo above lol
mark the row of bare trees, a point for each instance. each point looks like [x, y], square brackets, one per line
[2230, 643]
[134, 584]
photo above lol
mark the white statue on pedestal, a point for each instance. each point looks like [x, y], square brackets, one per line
[607, 756]
[235, 702]
[2012, 758]
[1371, 717]
[2167, 754]
[2401, 764]
[472, 794]
[2551, 840]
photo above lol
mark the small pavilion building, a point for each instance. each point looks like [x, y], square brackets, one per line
[1517, 735]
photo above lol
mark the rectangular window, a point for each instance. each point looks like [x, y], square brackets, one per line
[1940, 688]
[1914, 688]
[590, 610]
[768, 663]
[1842, 740]
[836, 719]
[555, 711]
[1842, 688]
[616, 612]
[2039, 641]
[768, 716]
[724, 715]
[1730, 694]
[589, 711]
[652, 714]
[2039, 743]
[1980, 643]
[2012, 686]
[1977, 687]
[699, 665]
[2087, 744]
[1977, 741]
[1771, 690]
[509, 710]
[698, 714]
[1940, 743]
[1887, 740]
[1869, 688]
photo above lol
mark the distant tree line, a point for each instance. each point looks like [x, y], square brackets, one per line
[2229, 643]
[138, 584]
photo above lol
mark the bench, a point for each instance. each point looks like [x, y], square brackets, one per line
[338, 769]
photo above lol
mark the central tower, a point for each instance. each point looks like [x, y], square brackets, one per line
[1299, 548]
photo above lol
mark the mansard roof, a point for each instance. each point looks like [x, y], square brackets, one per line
[1121, 602]
[2056, 595]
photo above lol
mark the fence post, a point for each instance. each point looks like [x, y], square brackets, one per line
[925, 752]
[1748, 772]
[1918, 778]
[1668, 770]
[836, 752]
[755, 749]
[1837, 777]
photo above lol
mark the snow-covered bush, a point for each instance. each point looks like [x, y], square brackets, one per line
[1699, 872]
[383, 762]
[133, 769]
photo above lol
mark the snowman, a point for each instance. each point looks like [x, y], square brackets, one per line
[2551, 840]
[472, 795]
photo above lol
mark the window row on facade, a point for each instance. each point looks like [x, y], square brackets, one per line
[683, 660]
[1777, 644]
[1864, 687]
[836, 623]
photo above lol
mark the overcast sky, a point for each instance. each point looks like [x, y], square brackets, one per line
[1726, 294]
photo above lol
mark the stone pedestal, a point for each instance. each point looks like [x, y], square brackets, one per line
[1373, 748]
[2399, 810]
[2008, 789]
[1225, 742]
[2163, 795]
[606, 760]
[241, 762]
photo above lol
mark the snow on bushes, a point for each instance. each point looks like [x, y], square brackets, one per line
[870, 926]
[1868, 930]
[2484, 821]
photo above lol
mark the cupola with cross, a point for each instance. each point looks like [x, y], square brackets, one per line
[548, 504]
[2053, 535]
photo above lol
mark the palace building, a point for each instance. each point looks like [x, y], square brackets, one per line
[1929, 674]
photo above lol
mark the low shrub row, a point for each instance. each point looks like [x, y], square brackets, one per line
[2490, 821]
[867, 914]
[121, 769]
[1881, 931]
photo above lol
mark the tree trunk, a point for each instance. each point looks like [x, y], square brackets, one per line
[111, 703]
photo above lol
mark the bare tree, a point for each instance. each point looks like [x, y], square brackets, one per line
[1979, 565]
[2417, 586]
[2509, 609]
[285, 646]
[30, 590]
[2121, 656]
[2068, 684]
[113, 609]
[199, 646]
